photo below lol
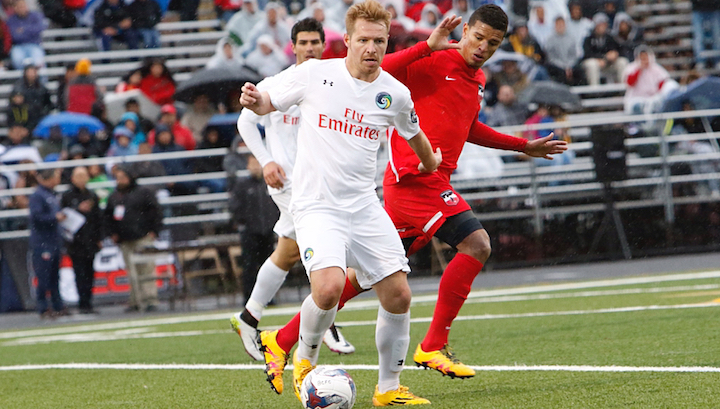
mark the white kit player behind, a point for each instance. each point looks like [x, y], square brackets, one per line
[277, 157]
[347, 106]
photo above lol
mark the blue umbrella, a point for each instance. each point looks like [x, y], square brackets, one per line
[702, 94]
[226, 125]
[69, 123]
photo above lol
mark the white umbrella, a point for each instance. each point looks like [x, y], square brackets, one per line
[21, 153]
[115, 104]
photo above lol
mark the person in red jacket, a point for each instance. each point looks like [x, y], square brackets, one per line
[82, 91]
[157, 82]
[446, 84]
[183, 136]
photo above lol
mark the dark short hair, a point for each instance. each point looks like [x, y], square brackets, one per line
[491, 15]
[131, 101]
[307, 25]
[46, 174]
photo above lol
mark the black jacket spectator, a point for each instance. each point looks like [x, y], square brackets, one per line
[109, 16]
[36, 96]
[145, 14]
[705, 5]
[211, 140]
[132, 213]
[597, 46]
[58, 13]
[90, 234]
[18, 112]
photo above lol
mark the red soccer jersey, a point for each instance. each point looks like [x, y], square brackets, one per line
[447, 94]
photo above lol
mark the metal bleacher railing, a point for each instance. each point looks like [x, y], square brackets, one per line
[520, 182]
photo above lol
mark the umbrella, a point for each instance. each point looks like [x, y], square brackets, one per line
[19, 154]
[115, 104]
[69, 123]
[226, 125]
[550, 93]
[215, 83]
[702, 94]
[494, 63]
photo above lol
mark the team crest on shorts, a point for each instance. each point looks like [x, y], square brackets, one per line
[309, 253]
[450, 198]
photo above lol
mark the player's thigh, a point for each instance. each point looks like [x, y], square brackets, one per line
[375, 246]
[322, 238]
[458, 228]
[284, 227]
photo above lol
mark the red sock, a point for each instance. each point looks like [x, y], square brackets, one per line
[455, 286]
[288, 335]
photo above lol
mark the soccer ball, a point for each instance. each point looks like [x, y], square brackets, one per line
[328, 387]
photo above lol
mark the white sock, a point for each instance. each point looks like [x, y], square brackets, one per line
[269, 280]
[392, 338]
[314, 322]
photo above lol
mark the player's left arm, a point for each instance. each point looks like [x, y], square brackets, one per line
[483, 135]
[256, 100]
[429, 160]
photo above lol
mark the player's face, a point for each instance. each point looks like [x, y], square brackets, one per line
[308, 45]
[366, 48]
[479, 43]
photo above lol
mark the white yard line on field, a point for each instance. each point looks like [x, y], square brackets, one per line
[118, 335]
[361, 304]
[239, 367]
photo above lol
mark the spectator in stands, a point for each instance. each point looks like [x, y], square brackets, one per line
[562, 55]
[97, 175]
[5, 42]
[157, 82]
[165, 143]
[198, 115]
[429, 17]
[130, 81]
[272, 25]
[18, 135]
[113, 22]
[146, 125]
[188, 9]
[546, 115]
[511, 75]
[647, 83]
[149, 168]
[579, 27]
[252, 210]
[145, 15]
[397, 13]
[507, 111]
[181, 135]
[706, 17]
[243, 21]
[123, 145]
[267, 59]
[63, 82]
[627, 34]
[602, 53]
[211, 140]
[82, 91]
[46, 243]
[26, 29]
[335, 14]
[521, 42]
[540, 24]
[36, 95]
[133, 220]
[86, 241]
[18, 112]
[104, 136]
[75, 152]
[131, 121]
[89, 143]
[463, 9]
[226, 55]
[225, 9]
[63, 13]
[610, 9]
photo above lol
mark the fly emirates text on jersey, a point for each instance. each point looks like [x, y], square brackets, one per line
[344, 126]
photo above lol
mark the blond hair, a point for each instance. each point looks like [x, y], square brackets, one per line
[369, 10]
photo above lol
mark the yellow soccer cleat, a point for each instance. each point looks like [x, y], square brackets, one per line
[443, 361]
[275, 359]
[301, 367]
[399, 397]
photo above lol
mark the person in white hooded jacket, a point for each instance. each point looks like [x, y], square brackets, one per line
[267, 58]
[240, 24]
[226, 55]
[648, 83]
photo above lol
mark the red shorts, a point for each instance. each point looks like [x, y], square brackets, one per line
[419, 204]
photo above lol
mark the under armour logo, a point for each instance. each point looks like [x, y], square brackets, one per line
[326, 82]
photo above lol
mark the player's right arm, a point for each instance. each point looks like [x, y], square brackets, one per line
[256, 100]
[247, 124]
[429, 160]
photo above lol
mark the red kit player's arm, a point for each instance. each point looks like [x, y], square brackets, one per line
[483, 135]
[396, 64]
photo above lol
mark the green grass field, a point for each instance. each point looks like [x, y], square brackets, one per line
[625, 343]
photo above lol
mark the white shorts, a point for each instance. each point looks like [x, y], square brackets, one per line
[365, 240]
[284, 227]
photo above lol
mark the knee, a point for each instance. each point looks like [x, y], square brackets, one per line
[398, 301]
[477, 245]
[327, 294]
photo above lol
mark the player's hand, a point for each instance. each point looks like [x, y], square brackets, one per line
[274, 175]
[437, 155]
[544, 147]
[438, 39]
[250, 97]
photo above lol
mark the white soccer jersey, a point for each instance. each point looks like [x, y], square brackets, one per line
[343, 119]
[281, 130]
